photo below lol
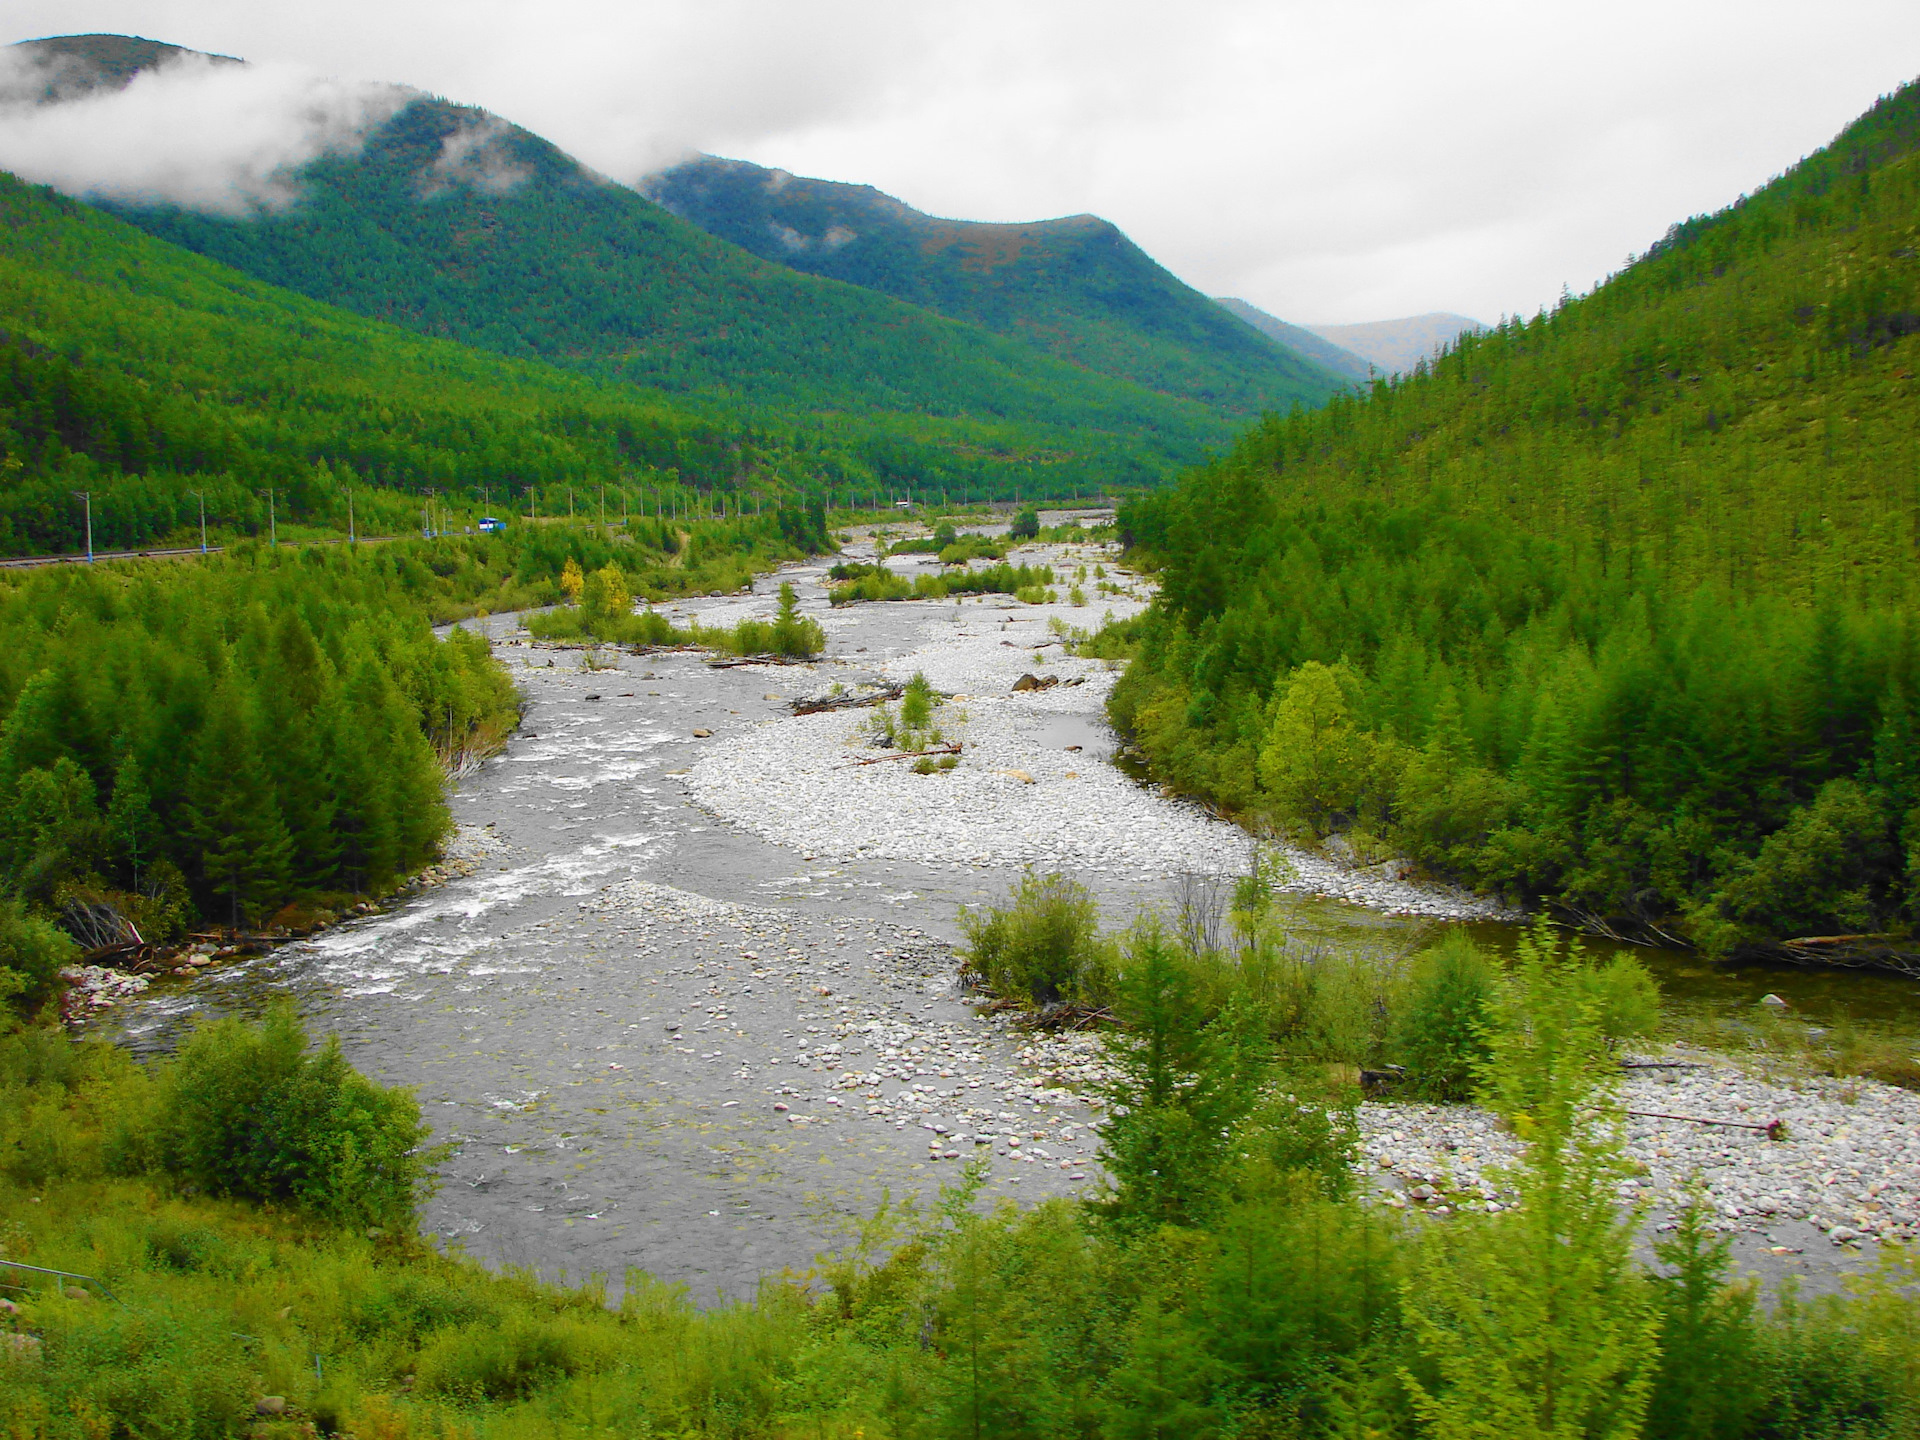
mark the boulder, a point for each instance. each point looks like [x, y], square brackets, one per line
[22, 1348]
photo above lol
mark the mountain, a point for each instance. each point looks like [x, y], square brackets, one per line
[151, 377]
[75, 65]
[1076, 288]
[1299, 338]
[454, 223]
[1615, 609]
[1396, 346]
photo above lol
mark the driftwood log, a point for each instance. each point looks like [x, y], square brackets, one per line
[736, 661]
[847, 702]
[907, 755]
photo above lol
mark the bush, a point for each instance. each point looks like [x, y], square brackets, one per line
[244, 1110]
[1044, 948]
[1624, 997]
[1441, 1037]
[491, 1361]
[789, 633]
[31, 954]
[1819, 874]
[1025, 526]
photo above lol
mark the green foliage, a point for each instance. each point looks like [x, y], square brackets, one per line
[245, 1110]
[789, 633]
[1611, 607]
[32, 951]
[1289, 1313]
[1073, 287]
[1183, 1083]
[1441, 1038]
[1044, 948]
[1708, 1331]
[1535, 1322]
[916, 703]
[591, 277]
[1025, 526]
[879, 583]
[229, 735]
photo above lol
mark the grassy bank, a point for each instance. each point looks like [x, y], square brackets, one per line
[241, 1217]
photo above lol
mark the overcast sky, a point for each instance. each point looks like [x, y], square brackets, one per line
[1330, 162]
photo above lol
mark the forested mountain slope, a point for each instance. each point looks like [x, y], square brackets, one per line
[1075, 287]
[453, 223]
[1614, 606]
[143, 374]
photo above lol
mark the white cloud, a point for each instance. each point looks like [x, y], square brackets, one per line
[1328, 162]
[476, 154]
[220, 138]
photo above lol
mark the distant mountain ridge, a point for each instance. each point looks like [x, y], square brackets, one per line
[1074, 287]
[457, 224]
[1298, 337]
[1396, 346]
[80, 64]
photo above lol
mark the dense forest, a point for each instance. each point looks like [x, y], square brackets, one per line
[1074, 287]
[267, 730]
[1613, 606]
[453, 224]
[152, 379]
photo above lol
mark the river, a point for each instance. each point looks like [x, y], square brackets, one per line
[638, 1015]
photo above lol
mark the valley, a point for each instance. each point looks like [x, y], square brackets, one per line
[697, 1006]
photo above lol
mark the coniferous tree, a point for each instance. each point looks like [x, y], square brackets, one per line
[231, 811]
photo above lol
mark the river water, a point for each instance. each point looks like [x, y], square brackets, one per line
[634, 1019]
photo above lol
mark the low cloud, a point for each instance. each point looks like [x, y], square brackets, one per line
[479, 154]
[221, 138]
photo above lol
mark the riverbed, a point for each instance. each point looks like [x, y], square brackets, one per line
[694, 1008]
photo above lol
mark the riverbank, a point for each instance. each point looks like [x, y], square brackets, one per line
[659, 947]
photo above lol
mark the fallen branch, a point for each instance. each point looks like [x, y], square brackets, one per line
[1773, 1129]
[847, 702]
[761, 660]
[1661, 1065]
[908, 755]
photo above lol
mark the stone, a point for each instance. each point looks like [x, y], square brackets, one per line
[23, 1348]
[702, 734]
[270, 1405]
[1773, 1000]
[74, 1292]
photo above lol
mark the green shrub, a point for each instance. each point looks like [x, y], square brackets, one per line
[1819, 874]
[1182, 1086]
[1625, 999]
[1025, 526]
[244, 1110]
[1043, 948]
[493, 1361]
[789, 633]
[1441, 1035]
[31, 954]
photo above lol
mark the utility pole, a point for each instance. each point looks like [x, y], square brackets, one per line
[569, 503]
[603, 507]
[203, 517]
[85, 497]
[426, 516]
[273, 525]
[352, 539]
